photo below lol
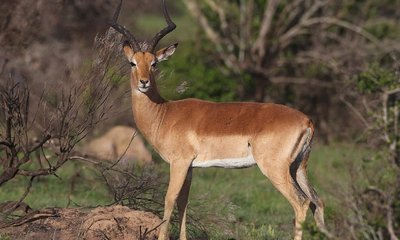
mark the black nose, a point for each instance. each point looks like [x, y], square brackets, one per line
[144, 81]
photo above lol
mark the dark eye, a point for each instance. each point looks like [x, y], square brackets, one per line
[154, 64]
[132, 64]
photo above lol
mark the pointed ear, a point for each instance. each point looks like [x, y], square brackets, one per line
[164, 53]
[128, 50]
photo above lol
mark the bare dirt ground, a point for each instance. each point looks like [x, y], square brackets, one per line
[115, 222]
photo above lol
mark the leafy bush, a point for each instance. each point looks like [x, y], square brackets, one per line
[375, 79]
[375, 199]
[191, 72]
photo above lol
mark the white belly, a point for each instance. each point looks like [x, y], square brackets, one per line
[226, 162]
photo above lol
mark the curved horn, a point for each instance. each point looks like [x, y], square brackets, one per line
[171, 26]
[121, 29]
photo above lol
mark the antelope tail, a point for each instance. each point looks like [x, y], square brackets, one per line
[303, 187]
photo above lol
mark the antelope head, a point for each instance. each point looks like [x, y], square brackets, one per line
[142, 57]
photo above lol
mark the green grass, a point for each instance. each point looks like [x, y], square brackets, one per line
[243, 201]
[262, 212]
[52, 191]
[4, 237]
[259, 211]
[258, 204]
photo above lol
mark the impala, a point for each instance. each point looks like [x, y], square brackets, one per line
[194, 133]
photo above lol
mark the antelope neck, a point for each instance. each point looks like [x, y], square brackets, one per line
[148, 111]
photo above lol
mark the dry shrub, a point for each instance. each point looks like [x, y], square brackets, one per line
[42, 131]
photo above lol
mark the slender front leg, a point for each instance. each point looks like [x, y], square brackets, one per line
[182, 204]
[177, 176]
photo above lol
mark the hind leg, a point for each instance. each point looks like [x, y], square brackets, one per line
[274, 166]
[300, 203]
[300, 208]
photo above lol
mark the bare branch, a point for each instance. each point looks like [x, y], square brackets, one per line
[194, 9]
[389, 218]
[342, 23]
[33, 216]
[40, 144]
[301, 81]
[126, 149]
[85, 159]
[298, 28]
[221, 13]
[287, 16]
[5, 143]
[228, 58]
[144, 235]
[16, 204]
[259, 46]
[356, 112]
[246, 13]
